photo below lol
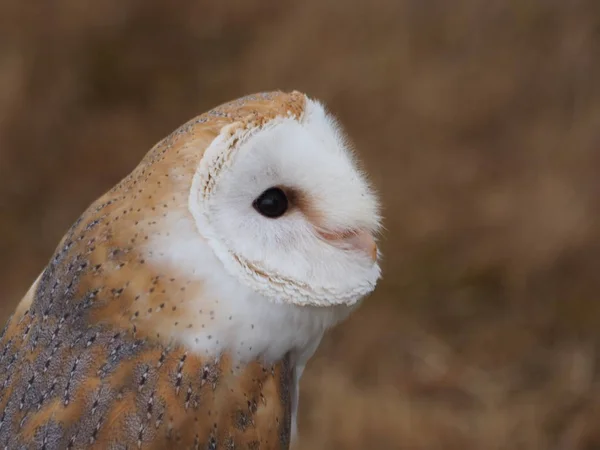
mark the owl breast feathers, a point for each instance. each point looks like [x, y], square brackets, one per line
[181, 307]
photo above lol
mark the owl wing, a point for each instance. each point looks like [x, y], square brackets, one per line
[82, 386]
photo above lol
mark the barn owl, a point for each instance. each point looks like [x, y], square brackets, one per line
[182, 306]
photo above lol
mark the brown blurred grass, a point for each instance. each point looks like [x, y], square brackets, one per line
[479, 122]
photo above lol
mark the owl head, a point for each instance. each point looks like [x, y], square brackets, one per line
[285, 207]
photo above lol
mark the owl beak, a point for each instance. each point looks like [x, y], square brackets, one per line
[363, 241]
[360, 240]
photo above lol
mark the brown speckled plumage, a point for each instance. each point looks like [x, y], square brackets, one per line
[84, 359]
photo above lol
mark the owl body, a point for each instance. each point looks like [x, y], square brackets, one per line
[182, 306]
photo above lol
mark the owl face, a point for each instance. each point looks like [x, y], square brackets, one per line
[286, 209]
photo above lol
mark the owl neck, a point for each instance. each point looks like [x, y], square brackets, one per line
[182, 292]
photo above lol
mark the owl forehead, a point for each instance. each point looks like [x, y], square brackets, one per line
[286, 153]
[297, 153]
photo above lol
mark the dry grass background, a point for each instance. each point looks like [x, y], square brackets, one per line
[480, 123]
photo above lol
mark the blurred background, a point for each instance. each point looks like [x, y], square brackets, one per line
[479, 121]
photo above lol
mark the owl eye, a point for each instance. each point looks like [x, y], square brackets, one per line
[272, 203]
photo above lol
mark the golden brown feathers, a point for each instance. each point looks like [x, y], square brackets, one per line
[86, 359]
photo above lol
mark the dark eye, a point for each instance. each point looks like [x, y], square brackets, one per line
[272, 203]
